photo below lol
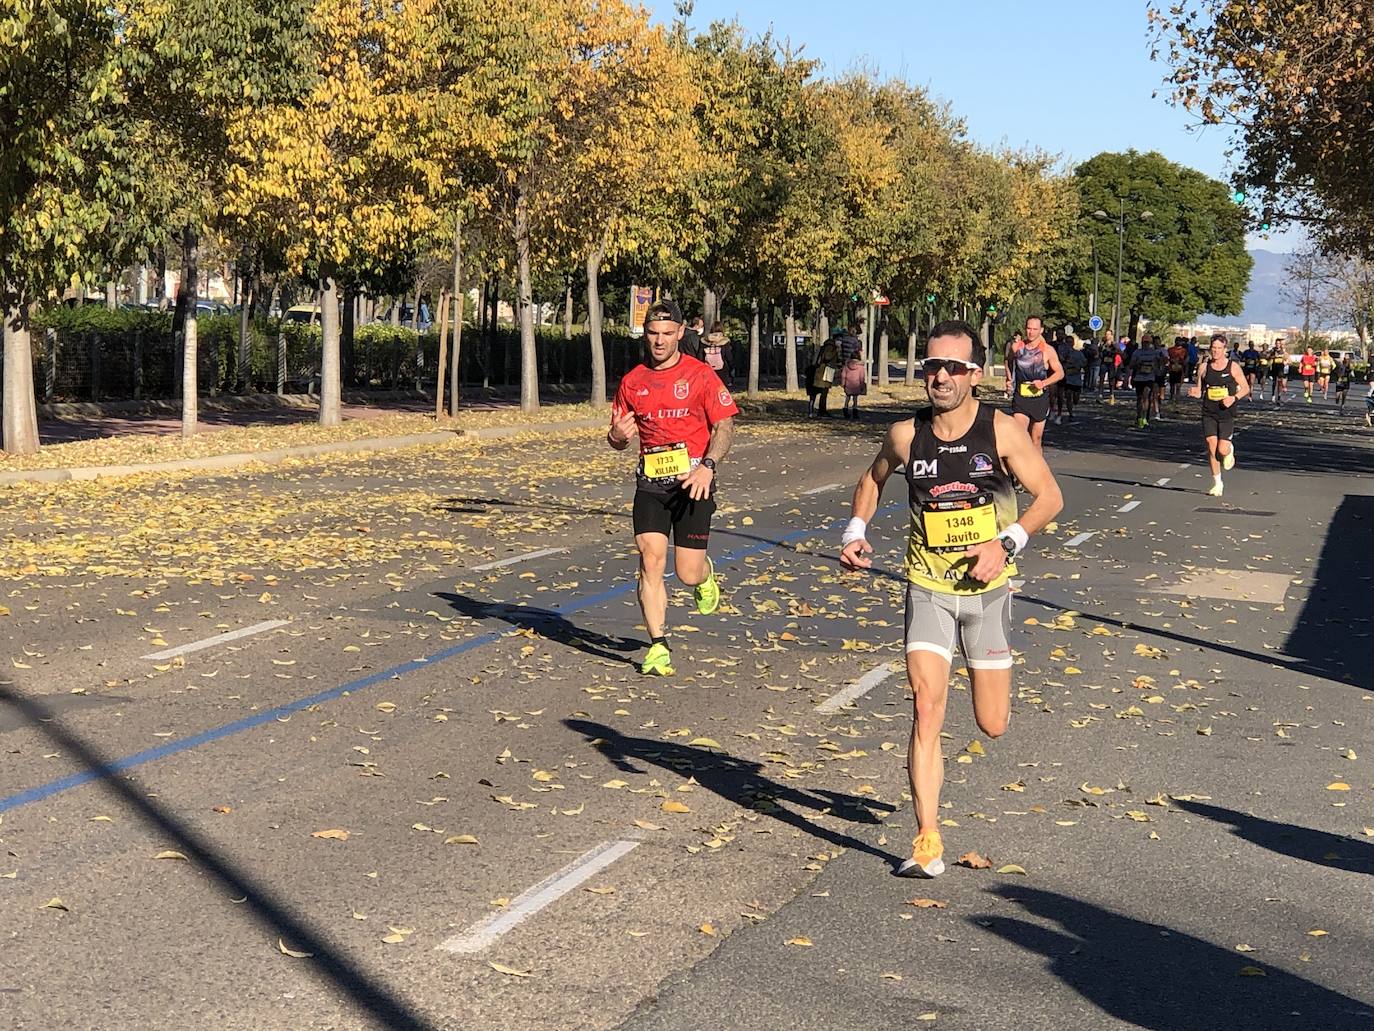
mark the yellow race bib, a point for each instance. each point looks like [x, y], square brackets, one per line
[1030, 390]
[959, 525]
[1217, 393]
[666, 461]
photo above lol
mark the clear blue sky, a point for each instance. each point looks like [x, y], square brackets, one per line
[1072, 77]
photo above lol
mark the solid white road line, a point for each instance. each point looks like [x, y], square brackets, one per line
[1162, 481]
[224, 638]
[549, 890]
[518, 558]
[1074, 542]
[1129, 506]
[822, 490]
[1185, 465]
[856, 690]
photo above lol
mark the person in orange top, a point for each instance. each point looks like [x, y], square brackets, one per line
[1307, 369]
[1178, 364]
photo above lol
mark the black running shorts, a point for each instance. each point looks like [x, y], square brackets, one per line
[674, 513]
[1221, 424]
[1036, 409]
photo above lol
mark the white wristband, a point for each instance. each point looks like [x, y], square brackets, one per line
[1018, 536]
[855, 531]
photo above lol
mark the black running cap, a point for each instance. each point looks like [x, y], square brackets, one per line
[663, 311]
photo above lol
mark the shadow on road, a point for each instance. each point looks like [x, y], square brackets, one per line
[742, 783]
[546, 623]
[1151, 976]
[1331, 634]
[1318, 847]
[342, 976]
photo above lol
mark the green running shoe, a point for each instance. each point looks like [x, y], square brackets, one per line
[658, 662]
[708, 591]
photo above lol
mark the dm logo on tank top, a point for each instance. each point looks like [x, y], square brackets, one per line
[922, 468]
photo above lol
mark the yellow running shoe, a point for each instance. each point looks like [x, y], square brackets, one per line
[927, 856]
[708, 591]
[658, 662]
[1228, 461]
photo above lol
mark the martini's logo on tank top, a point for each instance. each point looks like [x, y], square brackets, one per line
[940, 490]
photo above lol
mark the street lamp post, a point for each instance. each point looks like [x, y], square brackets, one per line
[1120, 256]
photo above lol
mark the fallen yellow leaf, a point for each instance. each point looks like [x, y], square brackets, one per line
[802, 941]
[501, 968]
[1011, 868]
[674, 806]
[295, 953]
[169, 854]
[333, 834]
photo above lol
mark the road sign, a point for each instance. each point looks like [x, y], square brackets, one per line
[1095, 323]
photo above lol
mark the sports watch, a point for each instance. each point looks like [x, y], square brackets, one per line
[1008, 545]
[710, 463]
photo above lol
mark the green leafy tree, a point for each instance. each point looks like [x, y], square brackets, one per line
[1184, 245]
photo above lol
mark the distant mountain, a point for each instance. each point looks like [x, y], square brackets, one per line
[1262, 301]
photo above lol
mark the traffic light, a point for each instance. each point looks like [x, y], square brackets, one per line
[1267, 222]
[930, 298]
[1238, 197]
[992, 310]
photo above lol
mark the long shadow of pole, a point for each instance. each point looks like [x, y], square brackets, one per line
[387, 1009]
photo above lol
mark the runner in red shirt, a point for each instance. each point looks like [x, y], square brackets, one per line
[685, 420]
[1307, 369]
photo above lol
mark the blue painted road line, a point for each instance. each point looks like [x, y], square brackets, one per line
[129, 762]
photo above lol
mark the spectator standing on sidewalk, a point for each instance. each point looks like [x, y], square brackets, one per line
[821, 374]
[719, 354]
[853, 376]
[690, 344]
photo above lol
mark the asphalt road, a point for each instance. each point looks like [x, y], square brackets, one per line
[426, 790]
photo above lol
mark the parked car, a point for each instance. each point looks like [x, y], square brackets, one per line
[303, 313]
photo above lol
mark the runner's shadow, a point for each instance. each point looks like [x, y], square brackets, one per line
[348, 980]
[546, 623]
[1150, 976]
[1142, 484]
[1311, 846]
[741, 782]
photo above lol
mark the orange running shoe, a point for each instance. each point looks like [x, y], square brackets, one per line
[927, 856]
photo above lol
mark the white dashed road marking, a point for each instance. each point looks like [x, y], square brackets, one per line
[210, 642]
[1129, 506]
[823, 490]
[545, 893]
[531, 556]
[1074, 542]
[856, 690]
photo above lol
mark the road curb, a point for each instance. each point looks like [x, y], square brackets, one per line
[217, 463]
[232, 461]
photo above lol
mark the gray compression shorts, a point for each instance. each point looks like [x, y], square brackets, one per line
[981, 624]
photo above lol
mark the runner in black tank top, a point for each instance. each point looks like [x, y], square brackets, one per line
[1220, 384]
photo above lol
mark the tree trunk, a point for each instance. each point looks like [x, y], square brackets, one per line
[111, 295]
[396, 310]
[598, 346]
[567, 310]
[281, 359]
[415, 311]
[20, 421]
[529, 384]
[190, 397]
[790, 350]
[884, 372]
[162, 298]
[710, 312]
[348, 354]
[50, 373]
[442, 366]
[753, 389]
[459, 301]
[245, 343]
[910, 377]
[1135, 325]
[330, 414]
